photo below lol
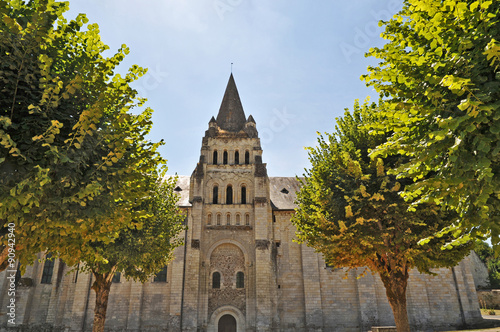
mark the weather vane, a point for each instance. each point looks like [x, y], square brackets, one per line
[231, 67]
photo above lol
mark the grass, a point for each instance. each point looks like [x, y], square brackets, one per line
[487, 312]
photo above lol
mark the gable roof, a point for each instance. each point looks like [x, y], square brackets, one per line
[283, 191]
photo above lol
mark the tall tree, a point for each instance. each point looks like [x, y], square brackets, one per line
[68, 140]
[350, 210]
[439, 75]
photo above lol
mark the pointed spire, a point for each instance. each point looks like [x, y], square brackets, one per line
[250, 119]
[231, 116]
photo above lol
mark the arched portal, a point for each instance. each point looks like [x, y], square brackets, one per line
[227, 323]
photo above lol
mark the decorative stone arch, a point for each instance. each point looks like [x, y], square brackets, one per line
[227, 241]
[227, 310]
[248, 184]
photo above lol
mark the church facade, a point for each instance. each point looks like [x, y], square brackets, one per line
[239, 269]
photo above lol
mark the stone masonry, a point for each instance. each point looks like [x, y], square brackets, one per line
[239, 268]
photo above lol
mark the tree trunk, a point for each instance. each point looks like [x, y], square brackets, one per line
[395, 287]
[4, 253]
[101, 286]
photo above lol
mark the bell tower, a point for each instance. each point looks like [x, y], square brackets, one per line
[229, 262]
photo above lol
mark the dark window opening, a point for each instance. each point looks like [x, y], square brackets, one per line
[177, 189]
[247, 157]
[116, 277]
[240, 280]
[284, 191]
[215, 194]
[243, 195]
[224, 158]
[274, 218]
[48, 270]
[216, 280]
[229, 195]
[278, 243]
[215, 157]
[161, 276]
[236, 157]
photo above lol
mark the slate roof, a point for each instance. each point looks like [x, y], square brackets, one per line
[182, 189]
[283, 192]
[231, 116]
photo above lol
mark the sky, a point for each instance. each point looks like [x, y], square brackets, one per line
[297, 66]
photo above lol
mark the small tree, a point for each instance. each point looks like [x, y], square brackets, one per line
[139, 251]
[439, 75]
[488, 257]
[350, 210]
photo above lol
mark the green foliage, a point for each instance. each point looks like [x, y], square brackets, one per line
[350, 208]
[439, 76]
[75, 167]
[146, 247]
[487, 255]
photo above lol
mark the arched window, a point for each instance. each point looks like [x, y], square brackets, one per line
[215, 157]
[224, 158]
[247, 157]
[240, 280]
[209, 219]
[48, 270]
[215, 195]
[247, 219]
[216, 280]
[238, 219]
[236, 158]
[218, 219]
[229, 195]
[228, 219]
[243, 195]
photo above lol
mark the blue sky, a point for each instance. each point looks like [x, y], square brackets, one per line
[296, 64]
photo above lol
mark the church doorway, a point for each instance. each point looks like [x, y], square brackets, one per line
[227, 323]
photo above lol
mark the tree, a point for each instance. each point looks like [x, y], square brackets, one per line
[439, 76]
[139, 251]
[68, 141]
[487, 256]
[350, 210]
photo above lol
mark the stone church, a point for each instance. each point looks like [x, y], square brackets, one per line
[239, 269]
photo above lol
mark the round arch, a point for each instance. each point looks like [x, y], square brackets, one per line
[226, 241]
[227, 310]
